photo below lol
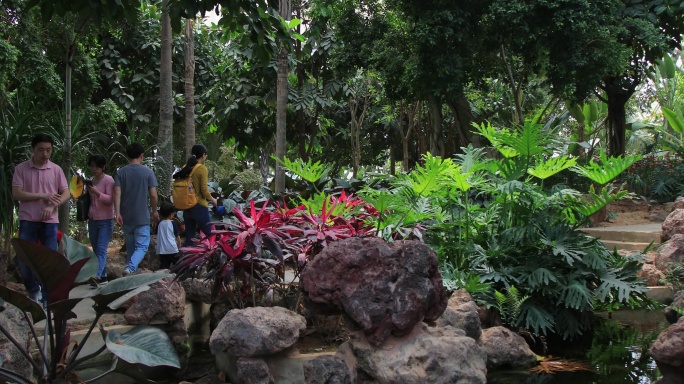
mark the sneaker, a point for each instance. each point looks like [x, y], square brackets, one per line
[93, 282]
[126, 272]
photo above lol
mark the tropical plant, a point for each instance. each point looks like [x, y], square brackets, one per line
[509, 305]
[58, 274]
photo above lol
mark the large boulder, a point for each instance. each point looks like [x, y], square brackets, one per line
[506, 349]
[672, 251]
[163, 303]
[462, 313]
[668, 353]
[383, 289]
[256, 332]
[327, 370]
[432, 355]
[13, 321]
[671, 314]
[673, 225]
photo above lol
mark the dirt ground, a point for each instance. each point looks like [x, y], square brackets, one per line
[637, 211]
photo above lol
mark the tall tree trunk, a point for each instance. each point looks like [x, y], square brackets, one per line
[64, 209]
[301, 116]
[516, 90]
[281, 105]
[165, 136]
[618, 92]
[463, 122]
[436, 141]
[189, 85]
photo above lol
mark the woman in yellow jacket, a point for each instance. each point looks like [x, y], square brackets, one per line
[197, 217]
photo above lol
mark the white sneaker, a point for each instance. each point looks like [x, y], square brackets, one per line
[126, 272]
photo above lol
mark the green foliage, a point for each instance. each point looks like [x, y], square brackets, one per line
[310, 171]
[674, 276]
[607, 169]
[509, 305]
[249, 180]
[660, 179]
[58, 275]
[497, 220]
[454, 279]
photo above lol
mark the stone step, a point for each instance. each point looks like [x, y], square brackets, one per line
[640, 234]
[626, 245]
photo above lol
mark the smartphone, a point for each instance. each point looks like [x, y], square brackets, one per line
[88, 183]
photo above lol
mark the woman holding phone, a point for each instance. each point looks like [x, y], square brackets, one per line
[101, 215]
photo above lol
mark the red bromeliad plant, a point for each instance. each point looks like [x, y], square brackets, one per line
[238, 250]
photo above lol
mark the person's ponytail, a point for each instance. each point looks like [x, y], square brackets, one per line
[185, 172]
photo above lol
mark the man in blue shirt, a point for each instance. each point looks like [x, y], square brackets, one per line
[133, 184]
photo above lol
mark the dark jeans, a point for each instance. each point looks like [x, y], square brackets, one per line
[168, 260]
[196, 218]
[35, 231]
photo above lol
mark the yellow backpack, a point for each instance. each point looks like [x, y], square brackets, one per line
[183, 194]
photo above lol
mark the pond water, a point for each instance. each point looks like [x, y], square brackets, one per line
[616, 353]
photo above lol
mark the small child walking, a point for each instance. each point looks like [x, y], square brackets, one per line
[168, 237]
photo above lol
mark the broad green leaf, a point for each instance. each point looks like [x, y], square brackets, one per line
[50, 267]
[106, 294]
[74, 251]
[610, 282]
[528, 140]
[535, 317]
[589, 204]
[145, 345]
[576, 295]
[674, 120]
[309, 171]
[22, 302]
[608, 169]
[547, 168]
[541, 276]
[294, 23]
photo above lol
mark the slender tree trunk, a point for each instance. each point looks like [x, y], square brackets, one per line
[281, 105]
[516, 90]
[64, 209]
[189, 85]
[618, 93]
[436, 142]
[165, 137]
[301, 116]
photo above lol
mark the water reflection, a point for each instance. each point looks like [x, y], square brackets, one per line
[618, 354]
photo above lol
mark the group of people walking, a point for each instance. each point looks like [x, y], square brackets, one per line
[128, 198]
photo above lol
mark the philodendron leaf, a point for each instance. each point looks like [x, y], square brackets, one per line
[108, 293]
[74, 251]
[22, 302]
[143, 345]
[49, 266]
[674, 120]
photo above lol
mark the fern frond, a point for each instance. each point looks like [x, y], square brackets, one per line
[427, 179]
[472, 159]
[545, 169]
[608, 169]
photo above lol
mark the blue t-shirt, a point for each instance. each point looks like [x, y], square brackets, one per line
[135, 181]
